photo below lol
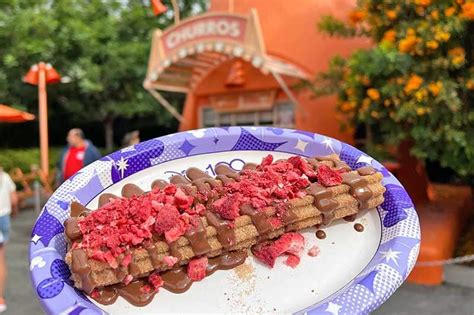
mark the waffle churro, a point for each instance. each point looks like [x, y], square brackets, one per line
[198, 217]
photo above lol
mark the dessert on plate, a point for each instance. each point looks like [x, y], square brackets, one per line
[187, 228]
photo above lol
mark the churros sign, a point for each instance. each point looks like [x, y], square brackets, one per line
[215, 27]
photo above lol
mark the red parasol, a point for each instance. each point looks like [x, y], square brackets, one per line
[12, 115]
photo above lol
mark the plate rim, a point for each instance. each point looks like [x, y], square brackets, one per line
[244, 138]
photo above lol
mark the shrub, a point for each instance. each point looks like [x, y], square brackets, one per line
[416, 83]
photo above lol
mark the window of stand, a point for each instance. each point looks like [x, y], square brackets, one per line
[282, 115]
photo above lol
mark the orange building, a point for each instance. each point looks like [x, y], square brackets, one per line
[239, 62]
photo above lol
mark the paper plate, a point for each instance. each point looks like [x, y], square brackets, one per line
[354, 273]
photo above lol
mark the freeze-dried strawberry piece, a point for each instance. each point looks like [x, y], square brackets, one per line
[178, 230]
[266, 160]
[302, 165]
[313, 251]
[182, 200]
[280, 193]
[170, 260]
[265, 253]
[197, 268]
[148, 222]
[275, 222]
[127, 259]
[328, 177]
[289, 243]
[170, 189]
[95, 294]
[292, 176]
[281, 166]
[228, 206]
[155, 280]
[136, 240]
[258, 203]
[146, 288]
[111, 260]
[127, 279]
[98, 255]
[167, 218]
[293, 243]
[292, 261]
[302, 183]
[200, 208]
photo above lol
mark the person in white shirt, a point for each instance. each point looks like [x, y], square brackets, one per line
[8, 207]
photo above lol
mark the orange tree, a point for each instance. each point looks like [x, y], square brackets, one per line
[416, 82]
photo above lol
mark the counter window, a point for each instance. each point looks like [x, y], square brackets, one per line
[281, 115]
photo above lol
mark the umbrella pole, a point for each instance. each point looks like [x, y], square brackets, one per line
[43, 118]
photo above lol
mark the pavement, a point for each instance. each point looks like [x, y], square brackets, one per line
[409, 299]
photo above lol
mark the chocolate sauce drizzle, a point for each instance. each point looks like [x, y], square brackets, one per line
[175, 280]
[337, 164]
[225, 233]
[105, 199]
[130, 190]
[259, 218]
[323, 200]
[358, 227]
[359, 189]
[320, 234]
[80, 266]
[197, 238]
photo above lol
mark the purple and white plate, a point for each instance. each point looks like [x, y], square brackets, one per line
[354, 273]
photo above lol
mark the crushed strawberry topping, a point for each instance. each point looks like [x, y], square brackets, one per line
[289, 243]
[228, 206]
[313, 251]
[328, 177]
[170, 260]
[95, 294]
[269, 184]
[292, 261]
[155, 281]
[128, 222]
[127, 279]
[109, 232]
[197, 268]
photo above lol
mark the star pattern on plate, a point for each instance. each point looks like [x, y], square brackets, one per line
[122, 165]
[391, 255]
[328, 144]
[35, 238]
[395, 253]
[333, 308]
[186, 147]
[47, 227]
[397, 204]
[301, 145]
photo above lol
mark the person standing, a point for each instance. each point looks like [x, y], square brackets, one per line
[131, 138]
[8, 206]
[79, 153]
